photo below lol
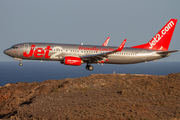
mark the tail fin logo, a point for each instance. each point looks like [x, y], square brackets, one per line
[160, 35]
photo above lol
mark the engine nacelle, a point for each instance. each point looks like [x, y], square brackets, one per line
[72, 61]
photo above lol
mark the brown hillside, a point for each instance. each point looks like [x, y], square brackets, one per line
[96, 97]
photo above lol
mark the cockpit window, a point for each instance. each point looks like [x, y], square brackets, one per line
[14, 47]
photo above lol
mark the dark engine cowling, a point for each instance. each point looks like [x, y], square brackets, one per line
[72, 61]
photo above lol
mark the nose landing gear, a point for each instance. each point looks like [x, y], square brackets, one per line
[89, 67]
[20, 63]
[19, 60]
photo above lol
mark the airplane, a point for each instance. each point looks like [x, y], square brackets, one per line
[75, 55]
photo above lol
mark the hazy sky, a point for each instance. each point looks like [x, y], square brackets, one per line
[89, 22]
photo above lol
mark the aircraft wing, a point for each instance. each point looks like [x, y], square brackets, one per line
[102, 56]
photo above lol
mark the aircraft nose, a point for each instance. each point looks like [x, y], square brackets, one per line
[6, 52]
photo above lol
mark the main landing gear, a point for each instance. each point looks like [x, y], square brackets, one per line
[89, 67]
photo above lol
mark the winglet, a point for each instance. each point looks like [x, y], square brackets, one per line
[121, 46]
[106, 42]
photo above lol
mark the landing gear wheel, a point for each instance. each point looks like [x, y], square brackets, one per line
[20, 63]
[89, 67]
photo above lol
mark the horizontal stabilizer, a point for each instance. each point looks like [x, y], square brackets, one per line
[164, 52]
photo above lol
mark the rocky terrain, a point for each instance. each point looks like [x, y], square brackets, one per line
[96, 97]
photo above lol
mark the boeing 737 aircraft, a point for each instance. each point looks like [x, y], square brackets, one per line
[71, 54]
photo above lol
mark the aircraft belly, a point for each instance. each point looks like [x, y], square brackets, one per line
[130, 59]
[123, 60]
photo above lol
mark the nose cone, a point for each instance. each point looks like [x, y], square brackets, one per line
[6, 51]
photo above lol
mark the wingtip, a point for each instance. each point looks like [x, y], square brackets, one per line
[106, 42]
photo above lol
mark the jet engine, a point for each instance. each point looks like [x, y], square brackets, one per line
[72, 61]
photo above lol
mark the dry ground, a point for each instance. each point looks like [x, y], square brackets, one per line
[96, 97]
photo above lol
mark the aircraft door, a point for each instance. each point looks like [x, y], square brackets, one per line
[26, 48]
[19, 50]
[144, 54]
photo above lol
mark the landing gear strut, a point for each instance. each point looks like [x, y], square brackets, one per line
[89, 67]
[19, 60]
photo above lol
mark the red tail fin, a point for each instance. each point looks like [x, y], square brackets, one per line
[162, 39]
